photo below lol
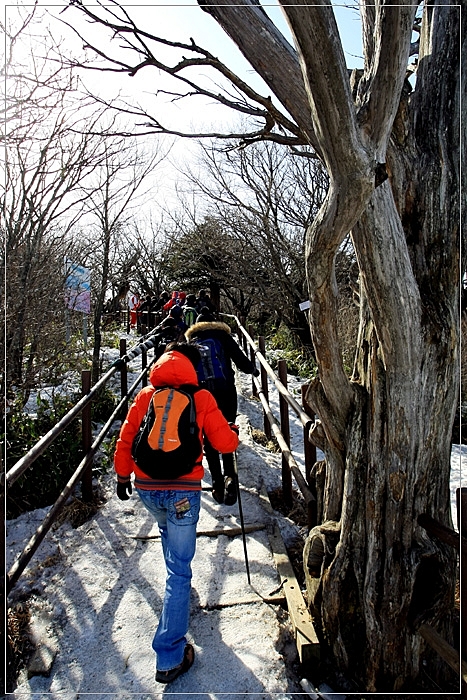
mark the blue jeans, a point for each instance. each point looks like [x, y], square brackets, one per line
[177, 514]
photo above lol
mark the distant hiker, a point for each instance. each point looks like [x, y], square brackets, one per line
[144, 309]
[157, 311]
[218, 350]
[176, 312]
[189, 310]
[133, 303]
[174, 300]
[157, 304]
[204, 300]
[174, 502]
[168, 332]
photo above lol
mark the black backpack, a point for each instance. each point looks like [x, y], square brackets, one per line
[167, 444]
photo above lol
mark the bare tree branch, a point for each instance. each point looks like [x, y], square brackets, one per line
[137, 41]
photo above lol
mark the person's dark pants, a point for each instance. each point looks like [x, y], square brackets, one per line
[226, 397]
[214, 462]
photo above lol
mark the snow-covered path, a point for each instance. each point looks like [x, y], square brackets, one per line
[96, 591]
[99, 589]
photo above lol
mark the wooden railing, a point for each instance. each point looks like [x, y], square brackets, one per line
[83, 471]
[272, 426]
[280, 428]
[457, 540]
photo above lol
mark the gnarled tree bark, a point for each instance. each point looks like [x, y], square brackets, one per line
[387, 429]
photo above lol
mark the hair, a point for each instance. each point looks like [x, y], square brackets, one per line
[190, 351]
[175, 311]
[205, 315]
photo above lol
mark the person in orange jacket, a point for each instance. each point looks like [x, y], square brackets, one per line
[175, 504]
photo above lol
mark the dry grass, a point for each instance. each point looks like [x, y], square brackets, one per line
[261, 438]
[78, 512]
[20, 646]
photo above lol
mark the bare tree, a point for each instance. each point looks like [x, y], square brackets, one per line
[392, 151]
[151, 242]
[49, 151]
[266, 198]
[112, 195]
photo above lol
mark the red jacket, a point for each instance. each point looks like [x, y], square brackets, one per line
[172, 369]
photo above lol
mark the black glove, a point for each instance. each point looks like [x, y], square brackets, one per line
[124, 490]
[256, 372]
[234, 427]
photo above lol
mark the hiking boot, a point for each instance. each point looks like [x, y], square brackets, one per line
[230, 491]
[173, 673]
[218, 491]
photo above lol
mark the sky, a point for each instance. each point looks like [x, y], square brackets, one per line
[174, 21]
[181, 22]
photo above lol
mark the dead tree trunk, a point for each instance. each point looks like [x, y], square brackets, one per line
[393, 157]
[382, 575]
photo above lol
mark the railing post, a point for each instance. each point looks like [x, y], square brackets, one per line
[128, 320]
[3, 576]
[86, 436]
[243, 339]
[253, 359]
[461, 501]
[309, 448]
[123, 378]
[310, 458]
[264, 386]
[144, 364]
[285, 430]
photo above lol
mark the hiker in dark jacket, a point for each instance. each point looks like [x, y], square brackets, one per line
[225, 393]
[204, 300]
[176, 312]
[167, 332]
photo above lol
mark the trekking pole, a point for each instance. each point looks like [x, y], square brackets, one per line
[135, 351]
[240, 510]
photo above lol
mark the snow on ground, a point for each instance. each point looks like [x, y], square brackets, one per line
[458, 476]
[100, 586]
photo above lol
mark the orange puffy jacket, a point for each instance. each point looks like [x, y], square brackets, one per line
[172, 369]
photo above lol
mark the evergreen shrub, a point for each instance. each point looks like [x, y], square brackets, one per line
[42, 482]
[281, 345]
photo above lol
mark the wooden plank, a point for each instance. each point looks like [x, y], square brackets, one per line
[228, 532]
[443, 533]
[270, 600]
[445, 650]
[305, 635]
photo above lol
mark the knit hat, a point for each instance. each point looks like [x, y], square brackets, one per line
[175, 311]
[205, 315]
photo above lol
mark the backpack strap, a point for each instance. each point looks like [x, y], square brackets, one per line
[190, 388]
